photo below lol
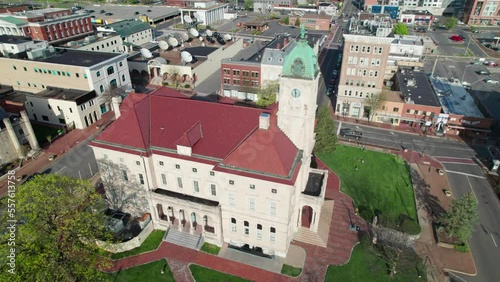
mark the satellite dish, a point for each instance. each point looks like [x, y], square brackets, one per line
[209, 32]
[228, 37]
[184, 36]
[197, 16]
[194, 32]
[173, 42]
[146, 53]
[163, 45]
[200, 38]
[186, 57]
[188, 19]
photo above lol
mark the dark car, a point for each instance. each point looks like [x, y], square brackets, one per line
[108, 14]
[329, 91]
[483, 72]
[31, 177]
[335, 73]
[349, 132]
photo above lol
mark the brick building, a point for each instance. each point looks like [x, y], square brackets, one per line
[312, 21]
[484, 12]
[52, 24]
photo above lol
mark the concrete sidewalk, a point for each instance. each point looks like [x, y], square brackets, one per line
[60, 146]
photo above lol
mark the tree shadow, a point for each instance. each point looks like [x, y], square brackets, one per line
[423, 194]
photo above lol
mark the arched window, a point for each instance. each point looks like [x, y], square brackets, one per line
[101, 88]
[233, 224]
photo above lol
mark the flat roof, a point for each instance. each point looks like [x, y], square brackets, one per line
[454, 98]
[421, 93]
[200, 51]
[80, 58]
[123, 12]
[13, 39]
[128, 27]
[7, 93]
[78, 96]
[14, 20]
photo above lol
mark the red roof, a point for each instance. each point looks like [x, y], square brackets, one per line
[215, 130]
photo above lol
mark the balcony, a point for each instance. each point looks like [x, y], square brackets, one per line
[314, 184]
[185, 197]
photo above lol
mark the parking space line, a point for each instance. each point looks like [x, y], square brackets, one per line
[466, 174]
[61, 170]
[472, 189]
[493, 240]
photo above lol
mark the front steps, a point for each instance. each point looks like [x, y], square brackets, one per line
[319, 238]
[191, 241]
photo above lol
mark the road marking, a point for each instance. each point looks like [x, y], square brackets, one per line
[493, 240]
[472, 189]
[446, 157]
[460, 163]
[392, 133]
[60, 170]
[466, 174]
[457, 276]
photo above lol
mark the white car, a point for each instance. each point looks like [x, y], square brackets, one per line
[492, 81]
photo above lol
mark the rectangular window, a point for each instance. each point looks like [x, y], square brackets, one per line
[124, 175]
[45, 118]
[251, 204]
[163, 179]
[259, 232]
[213, 189]
[231, 200]
[247, 228]
[408, 111]
[233, 225]
[141, 179]
[179, 182]
[196, 186]
[98, 73]
[236, 72]
[272, 234]
[161, 163]
[395, 109]
[273, 208]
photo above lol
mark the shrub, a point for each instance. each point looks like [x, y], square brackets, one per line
[186, 85]
[166, 83]
[463, 248]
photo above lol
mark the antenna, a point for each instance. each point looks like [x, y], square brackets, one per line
[194, 32]
[197, 16]
[173, 42]
[163, 45]
[186, 57]
[146, 53]
[208, 32]
[188, 19]
[228, 37]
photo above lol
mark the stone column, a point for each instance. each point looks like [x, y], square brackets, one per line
[30, 134]
[13, 137]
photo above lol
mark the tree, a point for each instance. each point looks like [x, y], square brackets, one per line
[54, 214]
[112, 91]
[450, 22]
[248, 5]
[375, 102]
[401, 29]
[459, 221]
[267, 94]
[473, 28]
[326, 140]
[400, 261]
[286, 20]
[297, 21]
[174, 76]
[123, 193]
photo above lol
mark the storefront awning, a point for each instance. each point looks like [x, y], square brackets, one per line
[468, 128]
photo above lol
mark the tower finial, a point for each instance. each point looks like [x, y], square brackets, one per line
[302, 31]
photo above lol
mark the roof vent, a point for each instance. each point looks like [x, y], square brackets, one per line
[264, 121]
[411, 82]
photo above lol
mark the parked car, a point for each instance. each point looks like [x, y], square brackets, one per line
[335, 73]
[108, 14]
[349, 132]
[330, 90]
[466, 85]
[457, 38]
[492, 81]
[491, 64]
[483, 72]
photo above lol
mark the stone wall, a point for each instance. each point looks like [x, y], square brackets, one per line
[8, 152]
[129, 245]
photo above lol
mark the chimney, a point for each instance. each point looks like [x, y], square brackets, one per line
[116, 101]
[264, 121]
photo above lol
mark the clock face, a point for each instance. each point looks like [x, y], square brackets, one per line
[295, 93]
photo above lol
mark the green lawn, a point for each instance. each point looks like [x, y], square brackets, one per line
[42, 131]
[210, 248]
[146, 272]
[208, 275]
[364, 265]
[378, 183]
[151, 243]
[290, 270]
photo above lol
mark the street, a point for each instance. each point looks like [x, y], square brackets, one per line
[464, 176]
[79, 163]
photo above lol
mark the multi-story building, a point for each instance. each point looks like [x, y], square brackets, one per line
[52, 24]
[11, 44]
[362, 72]
[203, 12]
[101, 42]
[435, 7]
[243, 74]
[327, 8]
[266, 6]
[404, 51]
[68, 69]
[312, 21]
[64, 107]
[418, 18]
[193, 160]
[481, 12]
[132, 31]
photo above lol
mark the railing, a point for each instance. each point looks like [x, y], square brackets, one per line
[209, 229]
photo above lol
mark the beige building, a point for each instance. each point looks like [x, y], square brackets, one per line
[391, 110]
[64, 107]
[15, 133]
[222, 173]
[362, 72]
[67, 69]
